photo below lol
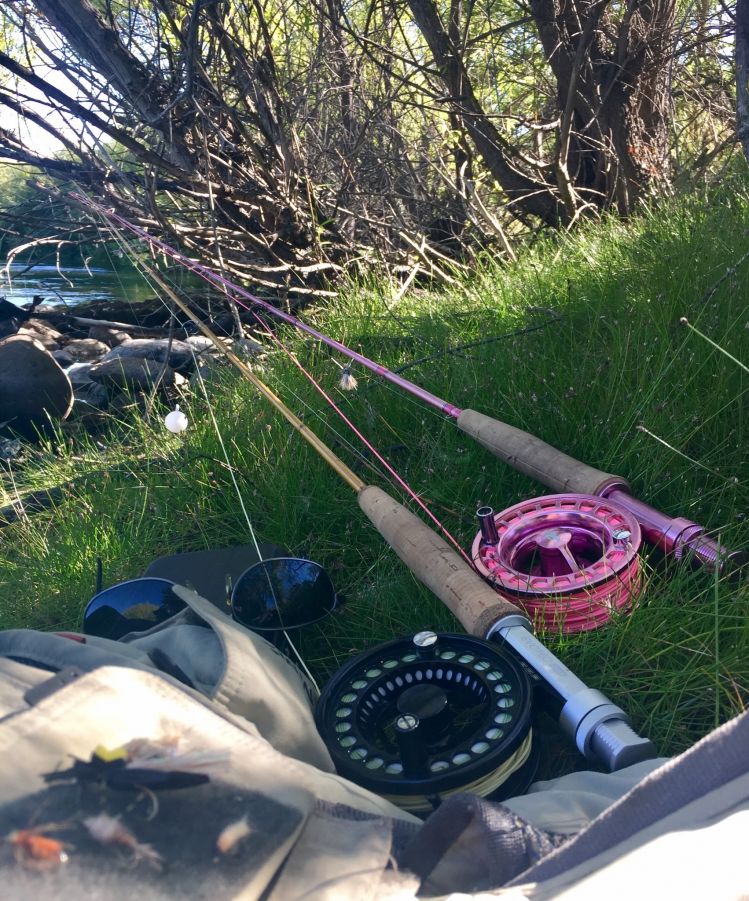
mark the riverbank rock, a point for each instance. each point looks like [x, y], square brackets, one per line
[46, 335]
[79, 374]
[90, 394]
[211, 370]
[63, 358]
[33, 387]
[178, 356]
[201, 345]
[10, 448]
[105, 369]
[84, 350]
[246, 347]
[132, 372]
[109, 336]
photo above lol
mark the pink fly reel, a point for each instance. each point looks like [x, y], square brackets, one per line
[568, 559]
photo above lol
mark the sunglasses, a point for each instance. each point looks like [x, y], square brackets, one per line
[271, 596]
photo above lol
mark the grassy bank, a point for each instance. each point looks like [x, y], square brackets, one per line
[580, 343]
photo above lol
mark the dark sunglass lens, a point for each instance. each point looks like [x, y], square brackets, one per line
[282, 594]
[130, 607]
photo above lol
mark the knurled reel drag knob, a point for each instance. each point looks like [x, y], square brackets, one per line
[418, 719]
[569, 560]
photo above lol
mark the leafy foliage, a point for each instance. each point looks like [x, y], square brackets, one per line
[294, 143]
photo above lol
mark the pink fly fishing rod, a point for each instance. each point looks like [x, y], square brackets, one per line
[675, 536]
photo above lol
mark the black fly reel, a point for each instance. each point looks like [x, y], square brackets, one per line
[417, 719]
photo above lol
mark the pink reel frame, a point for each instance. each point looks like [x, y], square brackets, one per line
[570, 560]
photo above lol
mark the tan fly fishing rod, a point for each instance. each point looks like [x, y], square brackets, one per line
[597, 726]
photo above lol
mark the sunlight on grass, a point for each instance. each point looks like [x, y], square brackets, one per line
[604, 353]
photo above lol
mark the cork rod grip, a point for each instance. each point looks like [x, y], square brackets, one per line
[536, 458]
[475, 604]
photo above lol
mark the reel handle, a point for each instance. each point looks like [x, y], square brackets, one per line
[536, 458]
[475, 604]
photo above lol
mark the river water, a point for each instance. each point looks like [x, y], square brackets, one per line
[72, 286]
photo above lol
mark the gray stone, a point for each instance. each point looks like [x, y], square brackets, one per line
[246, 347]
[84, 350]
[63, 358]
[93, 394]
[180, 353]
[33, 387]
[200, 344]
[10, 448]
[8, 327]
[79, 373]
[212, 370]
[112, 337]
[46, 335]
[131, 372]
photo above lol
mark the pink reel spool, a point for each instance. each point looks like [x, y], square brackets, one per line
[569, 560]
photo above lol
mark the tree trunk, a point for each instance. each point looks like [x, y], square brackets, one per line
[611, 69]
[612, 75]
[527, 194]
[95, 41]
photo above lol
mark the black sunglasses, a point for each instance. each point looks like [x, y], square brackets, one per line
[271, 596]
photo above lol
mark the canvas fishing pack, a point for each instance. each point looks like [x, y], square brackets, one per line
[96, 744]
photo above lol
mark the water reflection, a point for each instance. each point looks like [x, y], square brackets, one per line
[71, 285]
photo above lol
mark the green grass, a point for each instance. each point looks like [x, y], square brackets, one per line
[616, 360]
